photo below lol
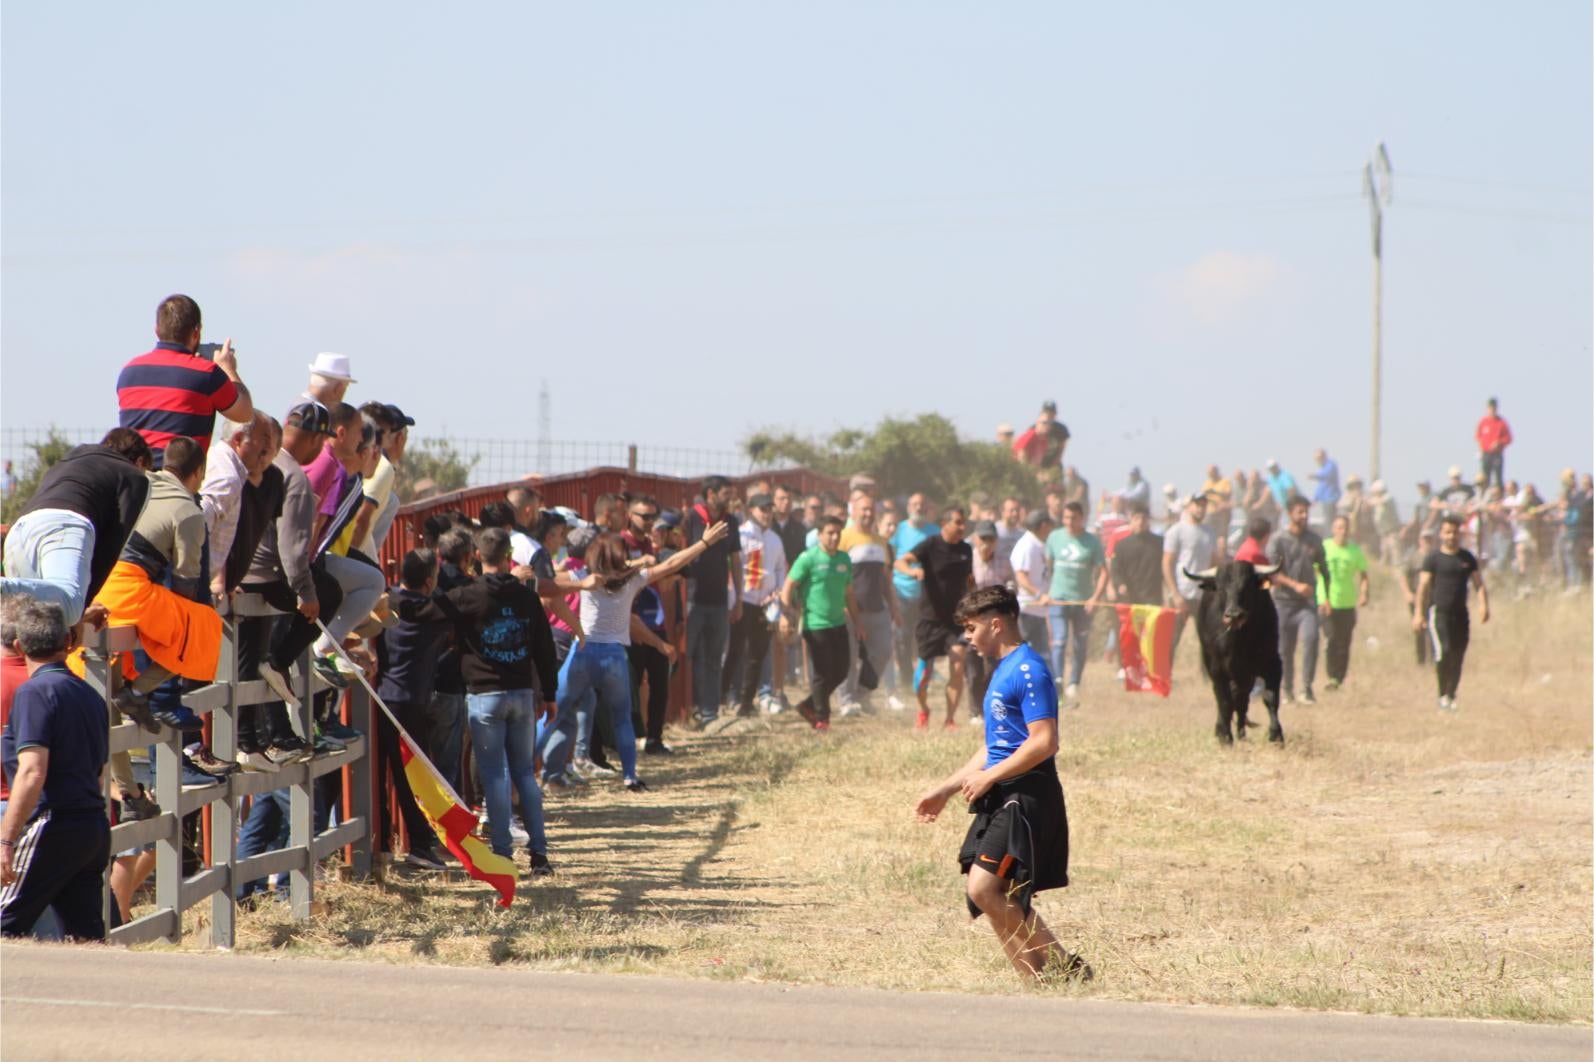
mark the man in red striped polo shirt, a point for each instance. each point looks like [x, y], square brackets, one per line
[171, 392]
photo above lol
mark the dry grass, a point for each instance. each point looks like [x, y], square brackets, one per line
[1388, 859]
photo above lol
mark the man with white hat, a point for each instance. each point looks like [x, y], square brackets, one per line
[329, 378]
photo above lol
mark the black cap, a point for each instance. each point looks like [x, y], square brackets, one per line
[669, 518]
[310, 416]
[760, 501]
[1049, 406]
[985, 529]
[398, 417]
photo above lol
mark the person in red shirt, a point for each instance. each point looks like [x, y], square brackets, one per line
[1042, 446]
[1493, 436]
[1254, 548]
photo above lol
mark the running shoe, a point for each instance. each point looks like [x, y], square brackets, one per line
[806, 711]
[424, 859]
[202, 760]
[822, 726]
[135, 807]
[255, 761]
[329, 672]
[135, 706]
[922, 722]
[540, 867]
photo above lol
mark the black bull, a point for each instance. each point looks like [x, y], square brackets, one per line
[1239, 631]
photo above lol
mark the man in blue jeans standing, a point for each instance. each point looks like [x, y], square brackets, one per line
[711, 608]
[1079, 577]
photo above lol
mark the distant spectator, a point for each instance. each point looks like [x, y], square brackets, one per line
[712, 609]
[1136, 492]
[1298, 551]
[1032, 574]
[329, 379]
[1137, 562]
[172, 392]
[1254, 549]
[1493, 435]
[1280, 484]
[1339, 601]
[873, 636]
[1188, 546]
[1326, 494]
[763, 573]
[1042, 446]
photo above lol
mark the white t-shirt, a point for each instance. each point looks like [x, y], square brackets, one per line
[606, 614]
[522, 548]
[1029, 557]
[379, 488]
[1192, 546]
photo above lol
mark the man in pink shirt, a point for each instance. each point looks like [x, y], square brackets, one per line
[1493, 436]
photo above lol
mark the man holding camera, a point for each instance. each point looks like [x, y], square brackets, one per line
[173, 392]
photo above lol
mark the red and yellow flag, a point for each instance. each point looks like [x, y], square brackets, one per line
[454, 823]
[1145, 647]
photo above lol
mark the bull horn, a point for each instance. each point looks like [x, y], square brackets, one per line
[1265, 570]
[1209, 573]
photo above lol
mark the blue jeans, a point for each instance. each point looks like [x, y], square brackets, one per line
[47, 556]
[708, 631]
[597, 673]
[503, 733]
[1036, 633]
[1569, 549]
[265, 831]
[1070, 627]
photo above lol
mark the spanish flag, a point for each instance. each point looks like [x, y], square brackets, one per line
[454, 823]
[1145, 647]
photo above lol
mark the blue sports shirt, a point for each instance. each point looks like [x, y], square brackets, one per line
[1020, 693]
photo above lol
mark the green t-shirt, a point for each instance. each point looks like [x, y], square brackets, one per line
[1075, 561]
[824, 578]
[1344, 563]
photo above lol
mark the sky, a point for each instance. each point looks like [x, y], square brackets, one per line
[696, 220]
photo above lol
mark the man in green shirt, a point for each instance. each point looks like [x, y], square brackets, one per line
[823, 574]
[1079, 577]
[1347, 589]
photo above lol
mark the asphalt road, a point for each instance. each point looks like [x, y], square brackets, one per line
[105, 1003]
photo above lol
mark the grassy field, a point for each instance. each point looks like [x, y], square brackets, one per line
[1387, 859]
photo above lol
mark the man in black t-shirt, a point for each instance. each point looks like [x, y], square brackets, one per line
[711, 607]
[944, 563]
[1442, 606]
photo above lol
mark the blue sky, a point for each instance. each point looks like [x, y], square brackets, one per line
[698, 219]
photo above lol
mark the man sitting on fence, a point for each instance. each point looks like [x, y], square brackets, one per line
[55, 840]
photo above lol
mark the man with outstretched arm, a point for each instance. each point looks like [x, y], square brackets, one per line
[1017, 844]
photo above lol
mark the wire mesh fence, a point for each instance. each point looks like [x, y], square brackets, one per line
[488, 460]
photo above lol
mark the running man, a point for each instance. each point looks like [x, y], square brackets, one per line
[824, 575]
[1337, 602]
[1017, 844]
[1442, 606]
[944, 564]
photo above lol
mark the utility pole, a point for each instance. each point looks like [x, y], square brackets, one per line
[1376, 186]
[544, 427]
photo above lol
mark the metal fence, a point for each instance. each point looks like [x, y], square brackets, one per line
[222, 804]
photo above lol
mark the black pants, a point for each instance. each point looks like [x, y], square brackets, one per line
[744, 656]
[1341, 623]
[1451, 632]
[60, 862]
[830, 653]
[298, 634]
[259, 725]
[1421, 638]
[648, 662]
[414, 719]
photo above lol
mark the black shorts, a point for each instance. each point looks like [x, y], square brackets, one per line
[1020, 834]
[936, 638]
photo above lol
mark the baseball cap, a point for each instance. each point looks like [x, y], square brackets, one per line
[1048, 406]
[984, 529]
[1272, 463]
[310, 416]
[760, 501]
[399, 418]
[1037, 520]
[1455, 470]
[669, 518]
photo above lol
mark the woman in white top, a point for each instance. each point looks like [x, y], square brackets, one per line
[598, 665]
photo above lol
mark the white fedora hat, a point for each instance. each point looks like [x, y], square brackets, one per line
[332, 366]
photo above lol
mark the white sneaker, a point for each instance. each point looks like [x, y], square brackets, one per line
[850, 709]
[277, 683]
[895, 703]
[1122, 674]
[777, 704]
[1444, 704]
[1071, 693]
[257, 762]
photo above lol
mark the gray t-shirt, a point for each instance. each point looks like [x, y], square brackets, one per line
[1192, 546]
[606, 614]
[1298, 557]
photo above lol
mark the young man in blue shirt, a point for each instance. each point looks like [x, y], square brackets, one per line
[1018, 842]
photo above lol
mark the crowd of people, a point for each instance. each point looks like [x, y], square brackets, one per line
[548, 638]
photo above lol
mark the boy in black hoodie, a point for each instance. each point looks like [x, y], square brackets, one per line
[505, 647]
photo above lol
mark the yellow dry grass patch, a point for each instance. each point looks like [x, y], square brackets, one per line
[1388, 859]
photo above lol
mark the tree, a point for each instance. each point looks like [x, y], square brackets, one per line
[46, 453]
[434, 464]
[922, 454]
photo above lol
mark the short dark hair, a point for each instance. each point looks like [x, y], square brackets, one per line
[522, 495]
[417, 566]
[644, 499]
[130, 444]
[1054, 492]
[950, 509]
[41, 630]
[176, 318]
[1139, 509]
[1454, 519]
[1259, 527]
[1075, 508]
[985, 601]
[605, 503]
[183, 457]
[1295, 501]
[714, 483]
[434, 527]
[493, 545]
[497, 514]
[382, 413]
[343, 415]
[832, 521]
[454, 546]
[547, 520]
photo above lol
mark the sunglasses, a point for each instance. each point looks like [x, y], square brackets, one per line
[647, 517]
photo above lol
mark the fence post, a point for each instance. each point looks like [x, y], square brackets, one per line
[630, 458]
[169, 846]
[224, 813]
[301, 805]
[360, 782]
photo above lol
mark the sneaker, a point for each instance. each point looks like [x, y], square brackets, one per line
[657, 748]
[329, 672]
[778, 703]
[1121, 674]
[278, 683]
[255, 761]
[922, 722]
[517, 833]
[135, 706]
[291, 749]
[169, 717]
[335, 730]
[895, 703]
[848, 710]
[540, 867]
[425, 859]
[204, 761]
[136, 807]
[1446, 704]
[696, 722]
[344, 664]
[636, 785]
[194, 778]
[1286, 697]
[1071, 694]
[806, 712]
[558, 783]
[1306, 696]
[747, 712]
[822, 727]
[596, 770]
[1331, 685]
[325, 746]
